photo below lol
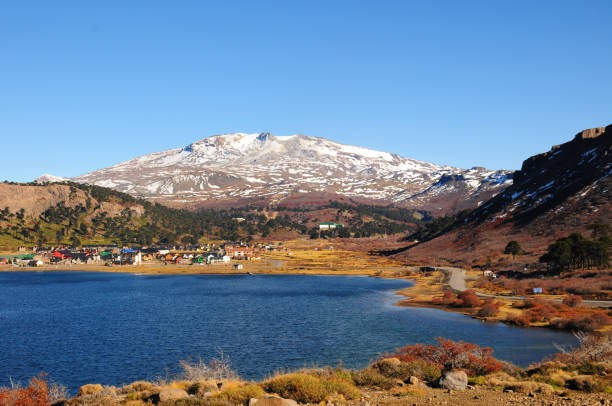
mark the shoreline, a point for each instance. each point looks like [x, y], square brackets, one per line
[421, 293]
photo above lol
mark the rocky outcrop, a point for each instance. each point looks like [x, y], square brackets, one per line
[90, 389]
[271, 400]
[454, 380]
[172, 394]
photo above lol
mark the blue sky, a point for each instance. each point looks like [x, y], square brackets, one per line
[85, 84]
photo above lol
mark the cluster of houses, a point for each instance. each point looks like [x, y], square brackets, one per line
[112, 255]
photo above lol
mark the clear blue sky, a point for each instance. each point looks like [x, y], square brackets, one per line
[84, 84]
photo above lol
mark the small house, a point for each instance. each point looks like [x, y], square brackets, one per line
[329, 225]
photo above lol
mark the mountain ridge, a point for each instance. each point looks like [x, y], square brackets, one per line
[562, 191]
[270, 169]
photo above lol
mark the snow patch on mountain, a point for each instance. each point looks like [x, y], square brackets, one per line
[262, 165]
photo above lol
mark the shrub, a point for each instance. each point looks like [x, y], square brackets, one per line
[306, 388]
[392, 368]
[341, 386]
[583, 322]
[585, 383]
[240, 394]
[477, 380]
[489, 309]
[518, 320]
[425, 371]
[200, 388]
[35, 394]
[572, 300]
[371, 378]
[449, 354]
[449, 298]
[591, 368]
[468, 298]
[217, 368]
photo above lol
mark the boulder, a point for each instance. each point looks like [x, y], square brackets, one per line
[454, 380]
[172, 394]
[139, 386]
[90, 389]
[203, 388]
[271, 400]
[413, 380]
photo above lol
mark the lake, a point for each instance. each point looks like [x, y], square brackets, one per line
[110, 328]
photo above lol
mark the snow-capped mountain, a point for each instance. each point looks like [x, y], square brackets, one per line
[48, 178]
[241, 167]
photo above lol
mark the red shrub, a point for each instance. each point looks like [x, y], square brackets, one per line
[449, 354]
[35, 394]
[572, 300]
[521, 320]
[489, 309]
[583, 322]
[468, 298]
[449, 298]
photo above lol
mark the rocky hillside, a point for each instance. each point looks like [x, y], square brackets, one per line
[554, 194]
[262, 168]
[75, 214]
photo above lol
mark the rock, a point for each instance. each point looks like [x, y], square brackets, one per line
[90, 389]
[139, 386]
[271, 400]
[413, 380]
[171, 394]
[455, 380]
[392, 361]
[202, 388]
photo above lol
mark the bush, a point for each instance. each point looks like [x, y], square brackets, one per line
[35, 394]
[585, 383]
[217, 368]
[371, 378]
[306, 388]
[572, 300]
[240, 394]
[468, 298]
[392, 368]
[425, 371]
[489, 309]
[591, 368]
[477, 380]
[584, 323]
[449, 354]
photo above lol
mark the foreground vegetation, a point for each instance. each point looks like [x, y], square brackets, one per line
[408, 375]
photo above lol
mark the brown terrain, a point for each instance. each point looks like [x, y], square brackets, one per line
[557, 193]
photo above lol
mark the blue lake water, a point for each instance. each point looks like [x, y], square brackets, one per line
[82, 327]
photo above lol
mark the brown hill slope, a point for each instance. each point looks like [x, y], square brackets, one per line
[554, 194]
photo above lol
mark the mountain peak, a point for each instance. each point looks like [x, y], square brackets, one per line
[261, 166]
[48, 178]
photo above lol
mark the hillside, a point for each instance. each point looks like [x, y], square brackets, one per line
[241, 169]
[74, 214]
[563, 191]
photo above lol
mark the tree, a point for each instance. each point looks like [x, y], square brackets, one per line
[513, 248]
[576, 252]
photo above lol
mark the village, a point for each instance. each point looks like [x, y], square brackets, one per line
[224, 253]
